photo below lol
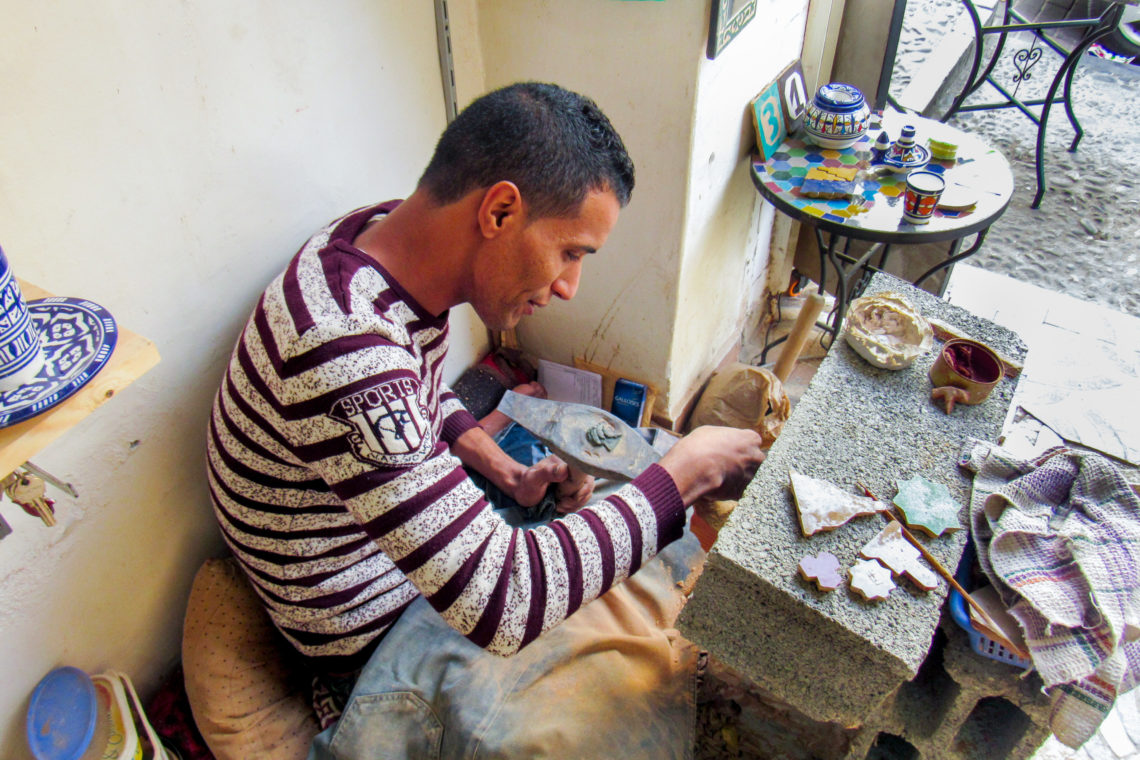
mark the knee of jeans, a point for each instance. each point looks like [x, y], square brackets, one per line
[398, 725]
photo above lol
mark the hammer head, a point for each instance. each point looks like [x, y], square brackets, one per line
[591, 439]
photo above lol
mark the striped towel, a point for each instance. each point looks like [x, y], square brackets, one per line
[1059, 538]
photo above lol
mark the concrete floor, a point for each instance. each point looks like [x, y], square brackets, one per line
[1039, 316]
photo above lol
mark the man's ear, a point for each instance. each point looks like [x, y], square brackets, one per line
[501, 209]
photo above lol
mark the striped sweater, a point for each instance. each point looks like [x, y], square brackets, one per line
[334, 485]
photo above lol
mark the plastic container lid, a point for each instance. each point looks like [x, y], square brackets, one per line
[61, 715]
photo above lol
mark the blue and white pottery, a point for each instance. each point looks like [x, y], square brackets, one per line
[837, 116]
[77, 339]
[904, 155]
[20, 355]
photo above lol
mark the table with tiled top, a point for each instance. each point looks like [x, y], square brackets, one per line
[873, 212]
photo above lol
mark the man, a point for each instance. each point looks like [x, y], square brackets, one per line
[336, 453]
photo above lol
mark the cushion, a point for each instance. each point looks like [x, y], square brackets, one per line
[245, 686]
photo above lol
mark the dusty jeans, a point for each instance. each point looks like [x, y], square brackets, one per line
[609, 680]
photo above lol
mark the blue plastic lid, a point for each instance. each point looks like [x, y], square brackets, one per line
[61, 715]
[839, 98]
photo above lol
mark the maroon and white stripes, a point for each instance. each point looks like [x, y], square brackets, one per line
[334, 485]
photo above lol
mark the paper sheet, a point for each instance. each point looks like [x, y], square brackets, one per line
[564, 383]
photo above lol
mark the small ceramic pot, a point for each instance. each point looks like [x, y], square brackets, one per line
[968, 365]
[837, 116]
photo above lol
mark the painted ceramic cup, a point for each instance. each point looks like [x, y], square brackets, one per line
[837, 116]
[923, 189]
[968, 365]
[21, 357]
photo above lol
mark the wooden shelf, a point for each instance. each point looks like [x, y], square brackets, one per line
[133, 356]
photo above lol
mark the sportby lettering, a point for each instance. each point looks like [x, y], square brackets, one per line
[389, 425]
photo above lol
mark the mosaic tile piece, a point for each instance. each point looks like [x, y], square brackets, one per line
[927, 506]
[824, 506]
[892, 549]
[822, 569]
[870, 580]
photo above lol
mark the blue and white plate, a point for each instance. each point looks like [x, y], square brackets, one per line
[78, 337]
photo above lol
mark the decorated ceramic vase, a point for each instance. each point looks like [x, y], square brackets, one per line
[837, 116]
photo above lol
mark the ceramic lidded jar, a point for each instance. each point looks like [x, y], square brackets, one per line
[837, 116]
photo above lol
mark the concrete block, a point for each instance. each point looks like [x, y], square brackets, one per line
[831, 655]
[960, 706]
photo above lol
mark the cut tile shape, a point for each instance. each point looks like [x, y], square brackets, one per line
[892, 549]
[823, 569]
[927, 506]
[870, 579]
[824, 506]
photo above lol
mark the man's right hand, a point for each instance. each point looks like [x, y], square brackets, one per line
[714, 462]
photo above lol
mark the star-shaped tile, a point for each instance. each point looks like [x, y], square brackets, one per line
[870, 579]
[823, 569]
[927, 506]
[892, 549]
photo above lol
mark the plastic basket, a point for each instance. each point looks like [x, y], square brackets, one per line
[982, 644]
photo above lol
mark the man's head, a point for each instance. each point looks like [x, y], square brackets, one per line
[553, 144]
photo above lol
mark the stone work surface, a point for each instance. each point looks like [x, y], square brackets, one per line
[831, 656]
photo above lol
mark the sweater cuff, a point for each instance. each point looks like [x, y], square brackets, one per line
[659, 489]
[456, 424]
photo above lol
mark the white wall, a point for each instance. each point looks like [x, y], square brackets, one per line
[667, 296]
[165, 159]
[637, 60]
[728, 227]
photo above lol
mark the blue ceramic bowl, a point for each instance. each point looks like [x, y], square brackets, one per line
[837, 116]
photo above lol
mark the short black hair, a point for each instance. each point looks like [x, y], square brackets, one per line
[555, 145]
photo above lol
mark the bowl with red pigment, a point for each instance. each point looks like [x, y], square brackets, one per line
[968, 365]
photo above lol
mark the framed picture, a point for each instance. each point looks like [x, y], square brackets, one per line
[728, 18]
[793, 95]
[768, 119]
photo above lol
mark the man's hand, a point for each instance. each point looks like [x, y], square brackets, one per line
[714, 462]
[574, 487]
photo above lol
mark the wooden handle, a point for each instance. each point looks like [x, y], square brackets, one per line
[798, 336]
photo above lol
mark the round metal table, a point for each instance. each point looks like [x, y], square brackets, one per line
[873, 212]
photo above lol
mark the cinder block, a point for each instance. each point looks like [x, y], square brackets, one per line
[960, 706]
[833, 656]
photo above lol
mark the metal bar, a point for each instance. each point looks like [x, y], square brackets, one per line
[897, 15]
[446, 62]
[954, 258]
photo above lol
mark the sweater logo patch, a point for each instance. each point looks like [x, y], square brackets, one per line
[389, 426]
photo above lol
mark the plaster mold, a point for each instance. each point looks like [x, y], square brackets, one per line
[887, 330]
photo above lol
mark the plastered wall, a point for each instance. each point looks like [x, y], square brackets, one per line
[165, 159]
[667, 297]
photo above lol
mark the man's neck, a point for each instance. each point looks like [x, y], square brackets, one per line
[424, 247]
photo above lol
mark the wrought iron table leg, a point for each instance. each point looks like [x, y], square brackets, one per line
[954, 258]
[1107, 23]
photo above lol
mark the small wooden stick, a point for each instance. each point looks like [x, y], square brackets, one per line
[941, 570]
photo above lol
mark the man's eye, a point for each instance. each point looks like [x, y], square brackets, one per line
[574, 255]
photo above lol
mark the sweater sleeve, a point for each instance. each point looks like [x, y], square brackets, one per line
[456, 419]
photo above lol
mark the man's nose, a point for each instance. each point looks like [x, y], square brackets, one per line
[567, 283]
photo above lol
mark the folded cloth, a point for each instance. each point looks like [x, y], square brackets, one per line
[1059, 538]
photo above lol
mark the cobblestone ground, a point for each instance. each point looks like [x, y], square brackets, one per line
[1084, 240]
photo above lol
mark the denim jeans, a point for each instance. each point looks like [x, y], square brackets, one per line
[607, 681]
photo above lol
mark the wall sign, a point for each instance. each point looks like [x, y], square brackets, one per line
[728, 18]
[793, 95]
[768, 119]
